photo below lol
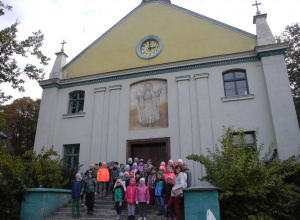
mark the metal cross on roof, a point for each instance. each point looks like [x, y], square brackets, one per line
[63, 44]
[257, 4]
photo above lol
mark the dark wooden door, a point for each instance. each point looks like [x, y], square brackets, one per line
[155, 151]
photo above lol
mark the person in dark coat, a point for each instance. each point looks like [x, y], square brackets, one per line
[187, 171]
[167, 190]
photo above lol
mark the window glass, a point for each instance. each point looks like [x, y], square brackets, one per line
[68, 149]
[81, 95]
[74, 96]
[242, 87]
[228, 76]
[239, 75]
[80, 106]
[230, 88]
[71, 156]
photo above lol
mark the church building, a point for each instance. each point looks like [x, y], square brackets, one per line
[161, 84]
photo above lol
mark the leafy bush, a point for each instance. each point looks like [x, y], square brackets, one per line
[29, 170]
[251, 187]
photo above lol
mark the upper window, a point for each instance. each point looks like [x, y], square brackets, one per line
[76, 102]
[235, 83]
[71, 156]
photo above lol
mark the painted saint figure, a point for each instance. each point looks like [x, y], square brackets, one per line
[148, 104]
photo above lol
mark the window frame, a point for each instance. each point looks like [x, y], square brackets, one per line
[253, 134]
[235, 80]
[77, 100]
[72, 155]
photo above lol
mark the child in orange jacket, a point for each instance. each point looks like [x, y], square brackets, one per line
[102, 179]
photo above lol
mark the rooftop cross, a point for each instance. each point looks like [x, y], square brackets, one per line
[63, 44]
[257, 4]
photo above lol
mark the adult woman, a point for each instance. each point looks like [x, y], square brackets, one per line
[180, 182]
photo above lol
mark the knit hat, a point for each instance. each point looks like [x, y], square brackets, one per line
[163, 163]
[160, 173]
[138, 173]
[170, 161]
[127, 167]
[180, 161]
[175, 161]
[134, 164]
[170, 177]
[104, 163]
[185, 163]
[129, 159]
[78, 176]
[136, 159]
[142, 160]
[162, 168]
[153, 168]
[132, 172]
[121, 174]
[126, 173]
[96, 163]
[142, 179]
[119, 181]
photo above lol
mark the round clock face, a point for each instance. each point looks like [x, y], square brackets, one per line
[149, 47]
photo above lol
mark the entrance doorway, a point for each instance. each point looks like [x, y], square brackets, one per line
[157, 149]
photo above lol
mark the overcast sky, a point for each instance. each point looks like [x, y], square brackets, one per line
[79, 23]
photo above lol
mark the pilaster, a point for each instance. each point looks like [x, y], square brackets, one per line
[113, 125]
[97, 124]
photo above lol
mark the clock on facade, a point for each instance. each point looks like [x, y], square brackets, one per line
[149, 47]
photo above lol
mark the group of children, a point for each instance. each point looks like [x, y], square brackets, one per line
[136, 184]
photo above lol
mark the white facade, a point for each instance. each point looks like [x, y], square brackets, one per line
[197, 108]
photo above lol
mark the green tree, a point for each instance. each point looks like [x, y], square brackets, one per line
[19, 123]
[10, 71]
[251, 187]
[30, 170]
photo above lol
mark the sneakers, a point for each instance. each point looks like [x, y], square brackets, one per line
[140, 218]
[145, 218]
[118, 217]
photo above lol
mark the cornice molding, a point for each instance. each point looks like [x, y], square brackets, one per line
[182, 78]
[201, 75]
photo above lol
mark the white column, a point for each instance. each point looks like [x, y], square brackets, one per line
[282, 107]
[97, 124]
[46, 120]
[204, 112]
[113, 124]
[185, 120]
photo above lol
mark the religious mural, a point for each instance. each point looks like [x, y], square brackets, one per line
[149, 105]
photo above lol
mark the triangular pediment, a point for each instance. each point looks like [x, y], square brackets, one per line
[185, 35]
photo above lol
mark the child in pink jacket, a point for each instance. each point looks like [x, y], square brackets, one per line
[130, 197]
[142, 198]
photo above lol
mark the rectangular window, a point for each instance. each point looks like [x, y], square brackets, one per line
[76, 102]
[71, 155]
[235, 83]
[250, 139]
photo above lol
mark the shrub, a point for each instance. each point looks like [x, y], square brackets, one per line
[29, 170]
[251, 187]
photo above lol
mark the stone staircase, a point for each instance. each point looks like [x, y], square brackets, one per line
[102, 211]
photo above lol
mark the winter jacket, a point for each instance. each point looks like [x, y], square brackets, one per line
[119, 194]
[94, 172]
[76, 189]
[165, 176]
[151, 181]
[115, 172]
[189, 177]
[89, 185]
[130, 193]
[167, 190]
[103, 175]
[159, 186]
[180, 182]
[141, 168]
[142, 194]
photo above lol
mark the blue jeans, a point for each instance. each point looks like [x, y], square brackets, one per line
[160, 203]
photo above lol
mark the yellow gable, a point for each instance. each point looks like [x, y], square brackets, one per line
[185, 35]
